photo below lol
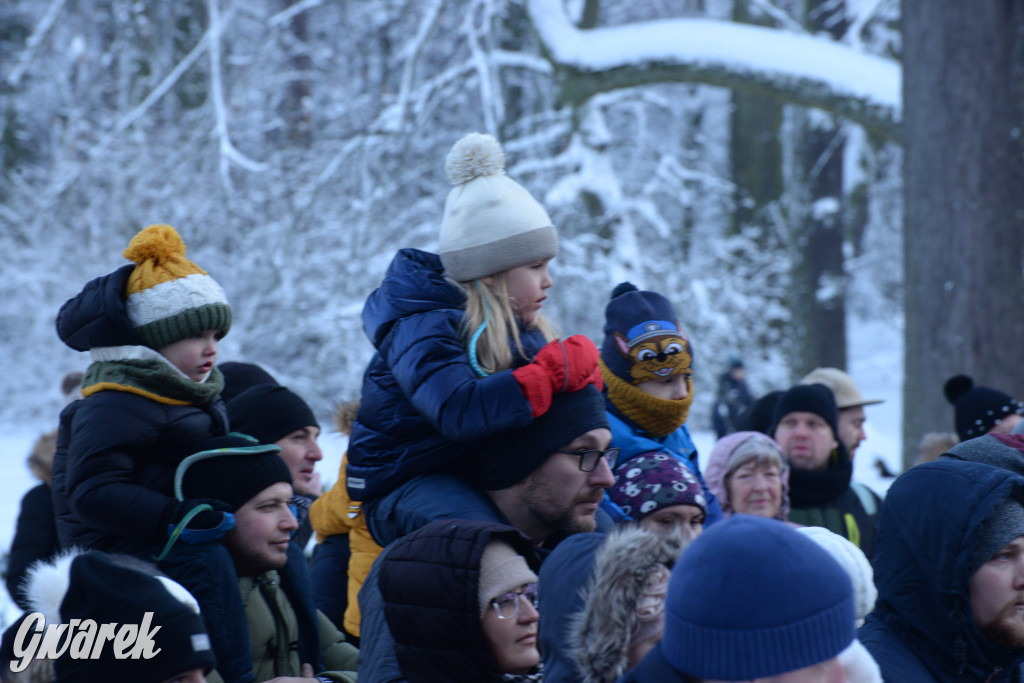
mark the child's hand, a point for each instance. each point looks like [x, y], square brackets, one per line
[560, 366]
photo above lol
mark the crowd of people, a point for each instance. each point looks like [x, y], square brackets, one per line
[512, 506]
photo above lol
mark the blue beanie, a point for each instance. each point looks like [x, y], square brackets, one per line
[752, 598]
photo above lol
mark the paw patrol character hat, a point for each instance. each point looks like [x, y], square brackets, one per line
[643, 340]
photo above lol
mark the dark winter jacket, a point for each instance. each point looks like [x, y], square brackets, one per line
[35, 538]
[429, 581]
[422, 405]
[921, 629]
[731, 400]
[827, 498]
[563, 575]
[274, 634]
[117, 451]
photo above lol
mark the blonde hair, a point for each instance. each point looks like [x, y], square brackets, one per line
[492, 304]
[40, 460]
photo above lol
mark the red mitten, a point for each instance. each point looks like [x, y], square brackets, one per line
[560, 366]
[536, 384]
[581, 367]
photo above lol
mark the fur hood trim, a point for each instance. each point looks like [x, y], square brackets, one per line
[47, 582]
[600, 636]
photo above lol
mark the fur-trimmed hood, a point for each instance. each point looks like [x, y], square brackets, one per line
[601, 635]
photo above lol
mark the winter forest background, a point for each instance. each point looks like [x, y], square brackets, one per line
[781, 169]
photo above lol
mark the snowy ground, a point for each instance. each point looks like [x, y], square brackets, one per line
[876, 365]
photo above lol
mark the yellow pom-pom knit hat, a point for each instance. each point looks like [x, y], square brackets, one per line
[170, 298]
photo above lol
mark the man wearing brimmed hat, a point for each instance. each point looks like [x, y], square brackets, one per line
[949, 568]
[849, 402]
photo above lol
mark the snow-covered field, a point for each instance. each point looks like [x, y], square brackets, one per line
[876, 365]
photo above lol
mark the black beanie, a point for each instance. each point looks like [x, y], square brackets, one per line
[241, 376]
[510, 457]
[809, 398]
[269, 412]
[977, 409]
[102, 589]
[232, 469]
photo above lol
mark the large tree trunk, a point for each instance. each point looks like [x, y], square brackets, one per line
[964, 203]
[818, 296]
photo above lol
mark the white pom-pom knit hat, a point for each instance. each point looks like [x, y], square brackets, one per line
[168, 296]
[491, 223]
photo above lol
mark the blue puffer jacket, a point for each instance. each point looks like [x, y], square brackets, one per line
[116, 453]
[922, 629]
[633, 442]
[422, 406]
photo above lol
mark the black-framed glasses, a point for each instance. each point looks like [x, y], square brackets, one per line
[506, 605]
[590, 457]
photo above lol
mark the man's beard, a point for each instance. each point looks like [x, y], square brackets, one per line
[540, 499]
[1007, 630]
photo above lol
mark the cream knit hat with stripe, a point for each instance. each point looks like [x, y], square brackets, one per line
[491, 223]
[169, 297]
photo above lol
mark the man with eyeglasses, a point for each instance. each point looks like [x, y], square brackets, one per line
[546, 480]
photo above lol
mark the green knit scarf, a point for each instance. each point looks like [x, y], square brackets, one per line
[153, 378]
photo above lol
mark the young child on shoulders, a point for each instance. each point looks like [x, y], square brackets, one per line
[463, 351]
[647, 363]
[151, 395]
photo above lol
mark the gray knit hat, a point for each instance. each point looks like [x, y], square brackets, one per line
[1005, 524]
[491, 223]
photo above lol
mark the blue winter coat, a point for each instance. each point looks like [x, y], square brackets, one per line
[921, 629]
[633, 442]
[422, 406]
[564, 572]
[113, 471]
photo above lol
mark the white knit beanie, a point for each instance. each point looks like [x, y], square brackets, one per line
[502, 570]
[491, 223]
[852, 559]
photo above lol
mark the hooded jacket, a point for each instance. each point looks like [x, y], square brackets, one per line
[422, 405]
[562, 577]
[113, 471]
[431, 577]
[921, 629]
[602, 633]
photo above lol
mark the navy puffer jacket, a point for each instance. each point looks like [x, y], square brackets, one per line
[921, 629]
[422, 407]
[113, 471]
[429, 582]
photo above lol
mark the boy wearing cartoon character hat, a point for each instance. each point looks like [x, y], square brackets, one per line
[646, 361]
